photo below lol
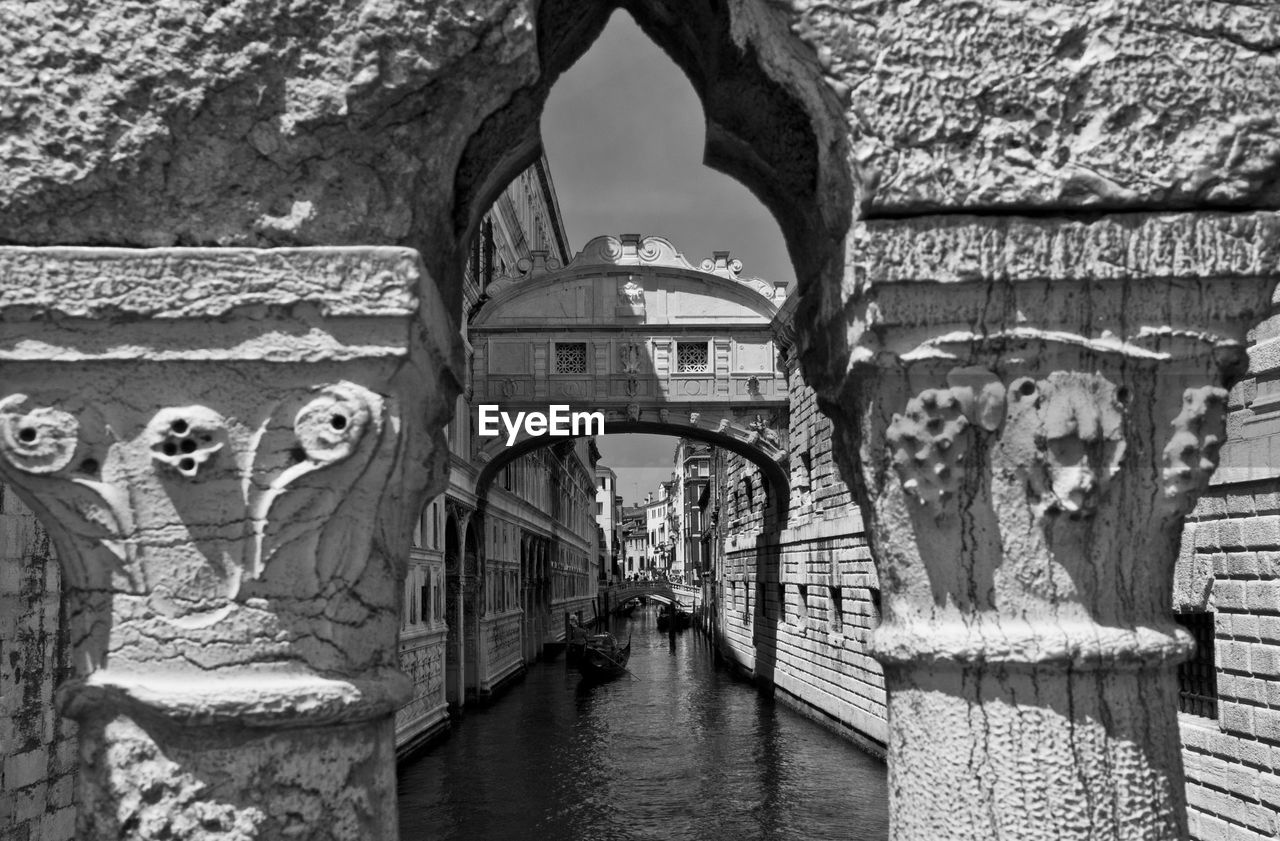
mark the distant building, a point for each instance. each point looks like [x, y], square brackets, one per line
[488, 586]
[693, 462]
[635, 541]
[609, 518]
[657, 526]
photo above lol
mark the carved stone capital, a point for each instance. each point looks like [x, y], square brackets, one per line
[1031, 408]
[227, 447]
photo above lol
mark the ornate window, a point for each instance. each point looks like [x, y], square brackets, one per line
[691, 358]
[571, 357]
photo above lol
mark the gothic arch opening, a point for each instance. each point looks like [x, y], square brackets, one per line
[771, 123]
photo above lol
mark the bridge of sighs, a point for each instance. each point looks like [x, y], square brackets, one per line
[634, 331]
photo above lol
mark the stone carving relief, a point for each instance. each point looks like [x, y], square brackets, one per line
[633, 412]
[1066, 436]
[763, 429]
[664, 415]
[184, 439]
[1191, 455]
[722, 264]
[1061, 435]
[630, 356]
[633, 386]
[191, 444]
[632, 294]
[931, 438]
[61, 444]
[929, 441]
[39, 440]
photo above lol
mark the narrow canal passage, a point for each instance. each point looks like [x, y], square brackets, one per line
[687, 751]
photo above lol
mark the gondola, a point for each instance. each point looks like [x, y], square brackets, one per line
[682, 619]
[603, 658]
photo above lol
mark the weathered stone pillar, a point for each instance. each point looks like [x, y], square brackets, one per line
[1032, 407]
[228, 447]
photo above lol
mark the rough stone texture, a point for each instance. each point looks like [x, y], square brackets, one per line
[366, 123]
[37, 746]
[1044, 103]
[258, 123]
[1031, 581]
[231, 534]
[172, 110]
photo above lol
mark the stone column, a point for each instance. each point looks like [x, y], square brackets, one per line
[228, 447]
[1032, 407]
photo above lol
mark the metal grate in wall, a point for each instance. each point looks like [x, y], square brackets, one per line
[1198, 677]
[571, 358]
[691, 358]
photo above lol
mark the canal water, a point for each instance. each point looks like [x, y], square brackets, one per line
[684, 750]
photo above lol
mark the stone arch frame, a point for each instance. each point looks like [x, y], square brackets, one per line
[146, 216]
[773, 124]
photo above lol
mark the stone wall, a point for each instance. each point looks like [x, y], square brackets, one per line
[38, 755]
[799, 602]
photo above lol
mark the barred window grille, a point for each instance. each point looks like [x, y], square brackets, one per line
[1198, 677]
[691, 358]
[571, 358]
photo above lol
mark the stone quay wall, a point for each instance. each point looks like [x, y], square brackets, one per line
[797, 604]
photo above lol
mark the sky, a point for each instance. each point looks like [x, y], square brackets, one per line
[623, 132]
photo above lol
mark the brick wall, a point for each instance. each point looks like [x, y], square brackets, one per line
[38, 750]
[1230, 565]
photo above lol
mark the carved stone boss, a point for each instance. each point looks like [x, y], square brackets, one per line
[1027, 438]
[227, 446]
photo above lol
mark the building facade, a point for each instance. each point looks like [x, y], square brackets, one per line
[635, 541]
[494, 569]
[609, 518]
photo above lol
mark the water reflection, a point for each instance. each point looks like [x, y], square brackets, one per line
[681, 751]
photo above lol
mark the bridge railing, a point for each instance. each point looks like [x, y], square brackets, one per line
[685, 595]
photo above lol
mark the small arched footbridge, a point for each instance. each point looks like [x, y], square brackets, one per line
[683, 596]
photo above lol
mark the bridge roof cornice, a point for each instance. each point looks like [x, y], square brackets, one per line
[609, 256]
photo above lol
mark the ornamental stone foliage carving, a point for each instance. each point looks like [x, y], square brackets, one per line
[185, 439]
[1029, 415]
[39, 439]
[230, 533]
[1191, 455]
[630, 356]
[1066, 437]
[929, 442]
